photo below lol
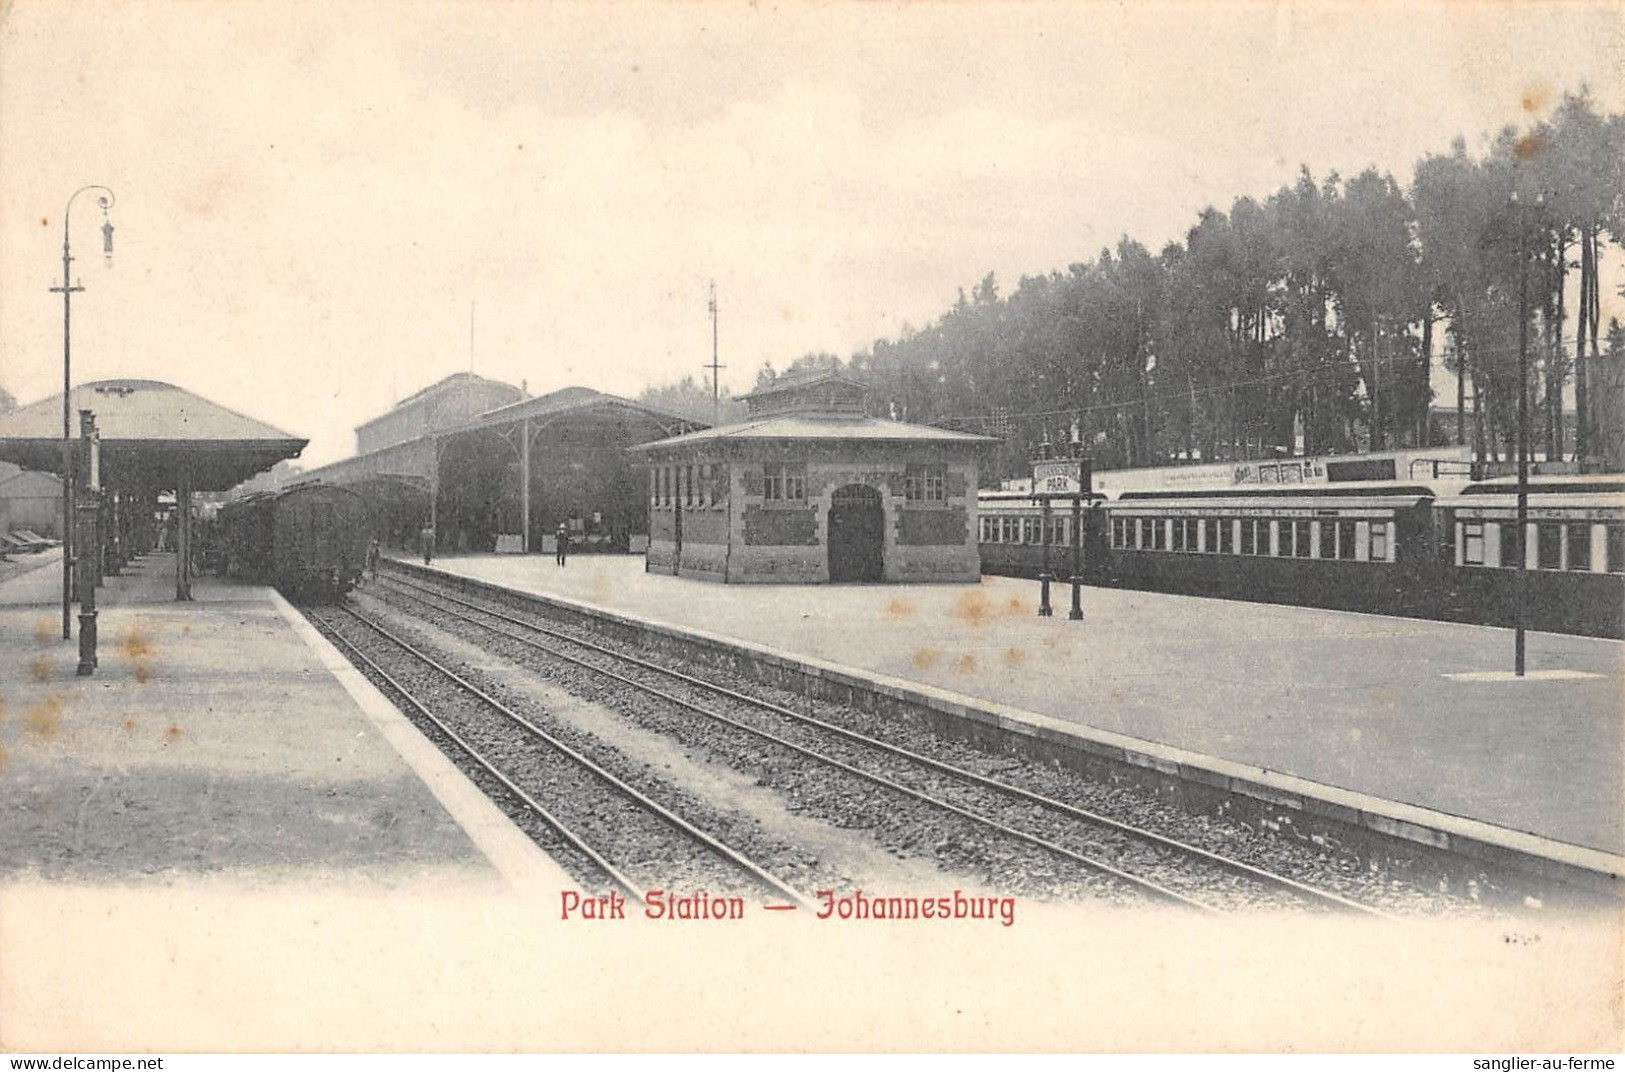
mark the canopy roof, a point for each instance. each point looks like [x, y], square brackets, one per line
[150, 433]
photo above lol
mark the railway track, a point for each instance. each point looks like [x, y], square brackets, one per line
[632, 842]
[1154, 865]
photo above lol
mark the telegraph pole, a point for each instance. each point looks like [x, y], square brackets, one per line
[716, 390]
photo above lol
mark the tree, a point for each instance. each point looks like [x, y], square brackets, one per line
[692, 399]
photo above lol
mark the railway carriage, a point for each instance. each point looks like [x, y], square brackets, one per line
[310, 541]
[1573, 551]
[1443, 550]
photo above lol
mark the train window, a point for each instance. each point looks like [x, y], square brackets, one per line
[1249, 544]
[1472, 543]
[1511, 545]
[1328, 539]
[1379, 541]
[1580, 546]
[1616, 548]
[1300, 539]
[1345, 539]
[1157, 533]
[1549, 546]
[1192, 539]
[1212, 535]
[1178, 535]
[1227, 532]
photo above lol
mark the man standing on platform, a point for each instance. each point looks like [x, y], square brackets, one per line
[563, 543]
[426, 538]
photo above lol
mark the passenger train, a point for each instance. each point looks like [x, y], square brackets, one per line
[1400, 533]
[310, 541]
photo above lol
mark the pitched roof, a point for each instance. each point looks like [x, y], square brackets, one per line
[790, 381]
[137, 410]
[567, 400]
[152, 426]
[793, 426]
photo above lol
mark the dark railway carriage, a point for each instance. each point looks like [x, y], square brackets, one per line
[1574, 553]
[1368, 549]
[1378, 548]
[310, 541]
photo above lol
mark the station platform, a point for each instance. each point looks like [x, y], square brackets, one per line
[1415, 712]
[220, 736]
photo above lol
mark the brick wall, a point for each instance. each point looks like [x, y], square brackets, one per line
[780, 527]
[933, 528]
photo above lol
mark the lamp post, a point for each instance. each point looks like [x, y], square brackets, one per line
[67, 290]
[1521, 611]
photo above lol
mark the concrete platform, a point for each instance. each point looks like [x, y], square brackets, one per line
[1402, 710]
[222, 737]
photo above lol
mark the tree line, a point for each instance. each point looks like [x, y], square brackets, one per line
[1317, 314]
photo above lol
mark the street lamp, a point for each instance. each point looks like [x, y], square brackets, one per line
[67, 290]
[1521, 611]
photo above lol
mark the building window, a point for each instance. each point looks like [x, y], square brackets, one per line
[784, 483]
[702, 493]
[925, 483]
[1472, 543]
[654, 485]
[1548, 546]
[688, 485]
[1580, 546]
[1379, 541]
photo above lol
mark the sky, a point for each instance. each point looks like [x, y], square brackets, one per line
[321, 209]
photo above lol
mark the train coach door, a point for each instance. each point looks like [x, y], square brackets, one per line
[857, 524]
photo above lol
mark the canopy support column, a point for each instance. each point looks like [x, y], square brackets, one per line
[183, 536]
[524, 485]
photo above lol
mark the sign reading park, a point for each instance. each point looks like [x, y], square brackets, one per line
[1062, 476]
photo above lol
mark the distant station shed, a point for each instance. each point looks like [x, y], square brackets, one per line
[811, 489]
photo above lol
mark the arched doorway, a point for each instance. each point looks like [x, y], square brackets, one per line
[857, 523]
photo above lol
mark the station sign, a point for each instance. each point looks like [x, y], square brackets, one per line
[1063, 476]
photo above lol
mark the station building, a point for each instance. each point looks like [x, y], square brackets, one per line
[491, 468]
[810, 489]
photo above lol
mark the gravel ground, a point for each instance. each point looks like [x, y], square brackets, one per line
[1304, 860]
[955, 843]
[654, 853]
[904, 827]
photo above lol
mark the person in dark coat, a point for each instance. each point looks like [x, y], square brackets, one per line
[563, 543]
[426, 538]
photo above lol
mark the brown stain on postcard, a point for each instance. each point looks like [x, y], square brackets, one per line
[44, 719]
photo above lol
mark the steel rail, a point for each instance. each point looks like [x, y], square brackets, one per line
[1240, 867]
[576, 840]
[728, 853]
[1138, 882]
